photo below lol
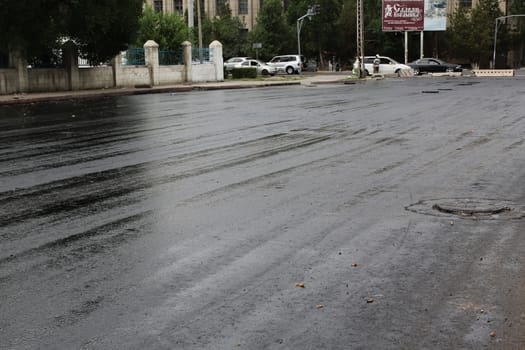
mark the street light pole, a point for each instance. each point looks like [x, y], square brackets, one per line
[312, 11]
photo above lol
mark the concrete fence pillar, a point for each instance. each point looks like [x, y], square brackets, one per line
[186, 54]
[151, 57]
[18, 61]
[70, 58]
[216, 58]
[116, 64]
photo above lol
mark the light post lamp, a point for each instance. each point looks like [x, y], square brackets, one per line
[496, 36]
[312, 11]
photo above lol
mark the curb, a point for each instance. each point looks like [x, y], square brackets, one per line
[94, 94]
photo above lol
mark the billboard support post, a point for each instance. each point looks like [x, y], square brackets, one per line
[421, 38]
[406, 47]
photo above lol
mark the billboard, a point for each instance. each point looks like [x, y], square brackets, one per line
[435, 15]
[403, 15]
[414, 15]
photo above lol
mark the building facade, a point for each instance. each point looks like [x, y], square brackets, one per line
[246, 10]
[459, 4]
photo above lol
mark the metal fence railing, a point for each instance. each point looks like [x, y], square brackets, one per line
[170, 57]
[134, 57]
[200, 55]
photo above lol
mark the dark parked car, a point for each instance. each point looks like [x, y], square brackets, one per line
[433, 65]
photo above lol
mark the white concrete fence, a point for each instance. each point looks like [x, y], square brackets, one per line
[20, 78]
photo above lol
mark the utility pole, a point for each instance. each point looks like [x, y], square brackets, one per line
[199, 24]
[360, 39]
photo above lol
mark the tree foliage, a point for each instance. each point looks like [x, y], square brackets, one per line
[228, 30]
[167, 30]
[319, 33]
[471, 32]
[272, 30]
[100, 28]
[29, 26]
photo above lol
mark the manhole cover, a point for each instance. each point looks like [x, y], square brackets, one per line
[469, 208]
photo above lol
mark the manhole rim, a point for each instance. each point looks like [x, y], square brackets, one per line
[491, 208]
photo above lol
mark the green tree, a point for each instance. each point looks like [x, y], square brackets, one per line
[272, 31]
[167, 30]
[320, 34]
[471, 32]
[31, 27]
[100, 28]
[230, 31]
[347, 33]
[517, 7]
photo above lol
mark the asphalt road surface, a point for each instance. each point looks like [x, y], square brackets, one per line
[379, 215]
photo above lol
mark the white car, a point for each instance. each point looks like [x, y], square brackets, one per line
[235, 61]
[262, 68]
[288, 64]
[386, 65]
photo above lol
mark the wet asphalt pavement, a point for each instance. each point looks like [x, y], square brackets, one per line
[274, 218]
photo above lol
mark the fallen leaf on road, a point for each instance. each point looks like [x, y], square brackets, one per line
[492, 334]
[355, 265]
[299, 285]
[370, 300]
[319, 306]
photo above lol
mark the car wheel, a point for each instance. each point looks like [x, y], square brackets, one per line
[289, 70]
[450, 70]
[416, 71]
[265, 72]
[397, 72]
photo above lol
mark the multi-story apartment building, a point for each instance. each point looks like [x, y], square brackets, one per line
[246, 10]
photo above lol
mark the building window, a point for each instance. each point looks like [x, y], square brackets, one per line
[218, 6]
[465, 3]
[261, 3]
[243, 7]
[177, 6]
[157, 5]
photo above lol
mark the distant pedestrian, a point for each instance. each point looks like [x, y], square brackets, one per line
[376, 63]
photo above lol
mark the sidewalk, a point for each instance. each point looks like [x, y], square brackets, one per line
[303, 79]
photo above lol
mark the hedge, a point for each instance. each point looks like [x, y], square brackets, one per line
[238, 73]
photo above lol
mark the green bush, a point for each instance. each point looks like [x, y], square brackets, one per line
[239, 73]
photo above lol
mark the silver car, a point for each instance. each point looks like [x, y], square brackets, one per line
[262, 68]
